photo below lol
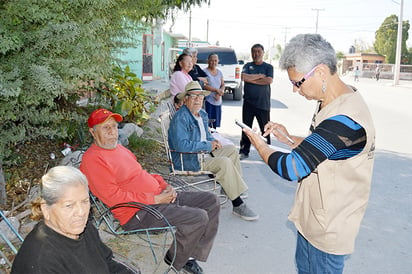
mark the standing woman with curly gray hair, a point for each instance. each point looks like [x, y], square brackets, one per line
[64, 241]
[332, 165]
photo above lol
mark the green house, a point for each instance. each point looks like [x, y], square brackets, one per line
[154, 54]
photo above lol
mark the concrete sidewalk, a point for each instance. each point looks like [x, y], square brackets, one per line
[159, 88]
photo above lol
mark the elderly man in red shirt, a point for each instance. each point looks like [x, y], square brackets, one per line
[115, 177]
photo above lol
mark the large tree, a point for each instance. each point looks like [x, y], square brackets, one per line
[386, 38]
[48, 48]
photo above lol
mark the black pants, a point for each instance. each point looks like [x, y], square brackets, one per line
[249, 112]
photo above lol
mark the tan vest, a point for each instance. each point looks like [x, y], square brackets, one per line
[330, 203]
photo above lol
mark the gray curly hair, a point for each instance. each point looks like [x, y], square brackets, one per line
[305, 51]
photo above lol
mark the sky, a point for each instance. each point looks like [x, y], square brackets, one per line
[240, 24]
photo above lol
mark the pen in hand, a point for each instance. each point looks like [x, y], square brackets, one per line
[284, 135]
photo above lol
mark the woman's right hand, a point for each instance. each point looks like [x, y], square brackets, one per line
[278, 130]
[203, 79]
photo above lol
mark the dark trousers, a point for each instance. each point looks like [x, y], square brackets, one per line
[196, 218]
[249, 112]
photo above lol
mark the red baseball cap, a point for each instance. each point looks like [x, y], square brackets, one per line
[101, 115]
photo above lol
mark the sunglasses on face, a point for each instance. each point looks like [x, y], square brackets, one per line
[307, 75]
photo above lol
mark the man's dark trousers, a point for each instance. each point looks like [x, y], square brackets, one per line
[249, 112]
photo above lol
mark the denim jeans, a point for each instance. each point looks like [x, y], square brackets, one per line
[310, 260]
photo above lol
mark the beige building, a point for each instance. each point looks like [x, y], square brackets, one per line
[365, 61]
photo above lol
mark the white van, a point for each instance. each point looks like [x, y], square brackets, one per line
[228, 64]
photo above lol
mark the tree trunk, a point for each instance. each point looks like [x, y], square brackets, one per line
[3, 196]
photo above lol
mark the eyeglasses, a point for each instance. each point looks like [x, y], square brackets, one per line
[307, 75]
[194, 96]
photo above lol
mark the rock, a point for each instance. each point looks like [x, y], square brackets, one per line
[123, 140]
[34, 192]
[72, 159]
[6, 230]
[27, 227]
[126, 131]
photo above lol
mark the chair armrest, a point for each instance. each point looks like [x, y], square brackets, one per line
[195, 152]
[106, 212]
[151, 210]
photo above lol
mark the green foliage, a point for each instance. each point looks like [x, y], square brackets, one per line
[139, 144]
[386, 38]
[49, 48]
[408, 60]
[340, 55]
[126, 96]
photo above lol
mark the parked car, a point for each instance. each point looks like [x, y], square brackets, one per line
[230, 66]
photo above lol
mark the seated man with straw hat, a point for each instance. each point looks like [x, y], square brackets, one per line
[188, 132]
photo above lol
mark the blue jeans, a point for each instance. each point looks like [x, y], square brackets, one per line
[310, 260]
[214, 113]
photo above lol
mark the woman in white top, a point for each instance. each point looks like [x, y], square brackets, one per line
[180, 76]
[216, 84]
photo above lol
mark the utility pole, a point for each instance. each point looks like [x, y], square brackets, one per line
[317, 18]
[207, 31]
[190, 30]
[286, 33]
[398, 48]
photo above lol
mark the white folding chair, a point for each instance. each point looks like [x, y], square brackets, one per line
[201, 180]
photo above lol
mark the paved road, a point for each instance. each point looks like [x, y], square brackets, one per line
[267, 246]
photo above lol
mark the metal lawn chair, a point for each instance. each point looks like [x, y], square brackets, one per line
[103, 215]
[201, 180]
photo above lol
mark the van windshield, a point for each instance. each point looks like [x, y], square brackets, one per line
[225, 58]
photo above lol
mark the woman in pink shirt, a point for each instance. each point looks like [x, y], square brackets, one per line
[180, 76]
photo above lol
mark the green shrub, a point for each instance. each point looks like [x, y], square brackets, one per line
[140, 145]
[125, 94]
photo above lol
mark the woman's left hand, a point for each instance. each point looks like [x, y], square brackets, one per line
[254, 137]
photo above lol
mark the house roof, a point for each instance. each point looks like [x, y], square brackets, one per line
[178, 35]
[363, 54]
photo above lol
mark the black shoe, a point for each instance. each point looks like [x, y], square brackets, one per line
[167, 259]
[192, 267]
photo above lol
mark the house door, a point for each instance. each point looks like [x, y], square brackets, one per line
[147, 57]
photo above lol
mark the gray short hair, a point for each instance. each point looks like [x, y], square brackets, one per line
[57, 179]
[305, 51]
[190, 51]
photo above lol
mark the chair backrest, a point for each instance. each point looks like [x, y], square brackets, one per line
[203, 184]
[171, 108]
[165, 118]
[165, 123]
[102, 214]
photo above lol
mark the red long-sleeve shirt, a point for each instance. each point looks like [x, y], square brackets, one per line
[115, 176]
